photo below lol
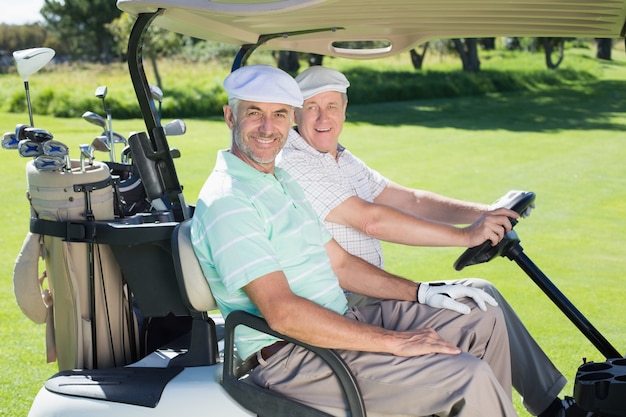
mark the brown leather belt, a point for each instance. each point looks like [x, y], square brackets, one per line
[266, 353]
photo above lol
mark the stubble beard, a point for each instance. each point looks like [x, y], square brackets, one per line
[245, 148]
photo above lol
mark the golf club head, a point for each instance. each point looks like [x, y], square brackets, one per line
[100, 144]
[37, 135]
[117, 138]
[101, 91]
[27, 148]
[85, 150]
[95, 119]
[175, 153]
[49, 163]
[9, 141]
[20, 131]
[176, 127]
[157, 93]
[125, 155]
[55, 148]
[29, 61]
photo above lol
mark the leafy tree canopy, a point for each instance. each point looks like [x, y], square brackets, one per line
[80, 25]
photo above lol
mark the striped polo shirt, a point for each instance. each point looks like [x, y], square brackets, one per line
[247, 224]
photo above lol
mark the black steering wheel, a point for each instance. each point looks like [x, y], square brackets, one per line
[485, 251]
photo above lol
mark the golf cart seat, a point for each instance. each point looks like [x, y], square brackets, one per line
[196, 293]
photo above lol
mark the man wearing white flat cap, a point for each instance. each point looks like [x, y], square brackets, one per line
[360, 208]
[264, 250]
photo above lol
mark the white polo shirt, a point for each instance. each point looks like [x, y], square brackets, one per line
[328, 182]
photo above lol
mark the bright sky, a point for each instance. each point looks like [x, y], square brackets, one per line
[17, 12]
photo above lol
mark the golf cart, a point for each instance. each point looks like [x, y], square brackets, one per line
[196, 371]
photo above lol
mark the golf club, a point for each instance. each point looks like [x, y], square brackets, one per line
[20, 131]
[27, 148]
[101, 93]
[50, 163]
[37, 135]
[85, 152]
[9, 141]
[157, 94]
[28, 62]
[176, 127]
[95, 119]
[100, 144]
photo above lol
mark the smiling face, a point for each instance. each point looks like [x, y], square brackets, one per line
[321, 118]
[259, 131]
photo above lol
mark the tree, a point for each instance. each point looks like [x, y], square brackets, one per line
[80, 25]
[604, 48]
[287, 61]
[157, 42]
[14, 37]
[417, 59]
[549, 44]
[468, 51]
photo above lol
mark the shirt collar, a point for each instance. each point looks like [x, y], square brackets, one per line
[227, 162]
[296, 141]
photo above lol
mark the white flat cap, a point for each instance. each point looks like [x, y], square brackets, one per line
[264, 84]
[317, 79]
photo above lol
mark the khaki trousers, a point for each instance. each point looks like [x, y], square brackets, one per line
[475, 383]
[535, 377]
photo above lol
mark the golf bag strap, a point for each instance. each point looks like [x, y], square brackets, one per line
[69, 231]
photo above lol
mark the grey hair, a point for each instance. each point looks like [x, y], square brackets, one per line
[234, 105]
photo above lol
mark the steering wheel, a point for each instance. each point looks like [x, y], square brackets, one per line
[518, 202]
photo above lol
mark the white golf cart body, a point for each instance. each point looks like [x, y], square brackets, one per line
[190, 378]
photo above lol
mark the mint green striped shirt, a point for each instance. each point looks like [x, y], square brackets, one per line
[248, 224]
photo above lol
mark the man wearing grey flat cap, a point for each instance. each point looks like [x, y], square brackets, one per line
[360, 207]
[264, 250]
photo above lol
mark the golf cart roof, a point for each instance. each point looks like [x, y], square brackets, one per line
[398, 25]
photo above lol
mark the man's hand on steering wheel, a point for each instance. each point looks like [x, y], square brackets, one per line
[519, 202]
[491, 226]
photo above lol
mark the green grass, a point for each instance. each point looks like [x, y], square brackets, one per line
[565, 144]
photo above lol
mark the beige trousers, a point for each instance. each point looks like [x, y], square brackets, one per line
[535, 377]
[475, 383]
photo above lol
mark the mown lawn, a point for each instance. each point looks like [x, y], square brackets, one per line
[566, 145]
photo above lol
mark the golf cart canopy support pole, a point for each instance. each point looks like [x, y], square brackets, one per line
[156, 158]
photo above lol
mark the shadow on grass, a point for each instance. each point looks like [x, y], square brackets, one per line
[587, 107]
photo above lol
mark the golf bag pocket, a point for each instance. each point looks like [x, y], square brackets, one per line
[61, 195]
[91, 323]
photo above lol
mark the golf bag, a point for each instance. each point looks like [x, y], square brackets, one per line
[87, 306]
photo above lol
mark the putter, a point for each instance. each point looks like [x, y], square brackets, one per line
[9, 141]
[28, 62]
[101, 93]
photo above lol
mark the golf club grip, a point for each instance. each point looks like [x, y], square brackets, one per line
[140, 146]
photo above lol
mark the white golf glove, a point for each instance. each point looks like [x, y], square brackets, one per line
[440, 295]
